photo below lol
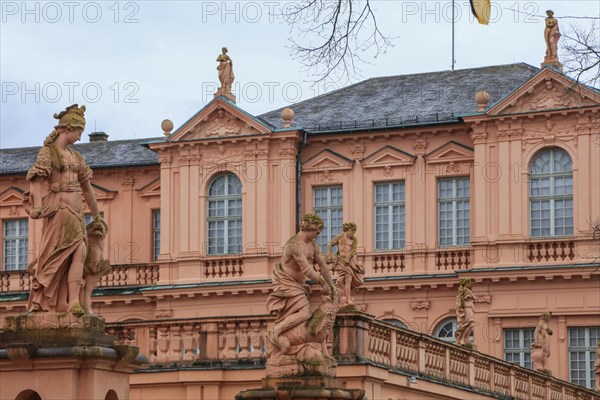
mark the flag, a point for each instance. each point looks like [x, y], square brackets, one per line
[481, 9]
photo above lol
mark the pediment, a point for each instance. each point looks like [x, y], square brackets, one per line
[327, 160]
[151, 189]
[548, 90]
[450, 152]
[13, 196]
[388, 156]
[103, 193]
[218, 119]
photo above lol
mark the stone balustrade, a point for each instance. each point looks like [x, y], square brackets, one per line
[410, 261]
[232, 342]
[131, 275]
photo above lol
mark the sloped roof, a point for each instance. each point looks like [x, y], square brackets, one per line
[111, 154]
[403, 97]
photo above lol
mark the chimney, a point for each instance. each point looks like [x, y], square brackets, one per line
[98, 137]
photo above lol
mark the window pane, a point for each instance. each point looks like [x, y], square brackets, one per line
[224, 215]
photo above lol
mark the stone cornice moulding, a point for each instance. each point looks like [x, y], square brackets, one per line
[388, 156]
[327, 160]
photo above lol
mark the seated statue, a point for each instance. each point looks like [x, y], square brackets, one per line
[298, 335]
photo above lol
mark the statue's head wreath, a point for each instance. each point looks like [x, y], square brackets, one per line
[311, 222]
[72, 117]
[349, 226]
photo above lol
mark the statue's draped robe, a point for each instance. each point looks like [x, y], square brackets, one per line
[63, 228]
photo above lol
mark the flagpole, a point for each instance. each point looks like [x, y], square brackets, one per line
[453, 60]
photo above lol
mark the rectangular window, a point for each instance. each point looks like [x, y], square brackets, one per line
[16, 244]
[454, 226]
[389, 215]
[155, 234]
[582, 355]
[328, 205]
[517, 346]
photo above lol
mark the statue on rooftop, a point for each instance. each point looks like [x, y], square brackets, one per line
[226, 76]
[540, 348]
[465, 312]
[64, 273]
[551, 35]
[350, 272]
[297, 337]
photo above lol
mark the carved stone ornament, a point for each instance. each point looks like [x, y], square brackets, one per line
[256, 150]
[163, 313]
[420, 145]
[479, 134]
[327, 176]
[483, 299]
[222, 125]
[420, 304]
[358, 151]
[452, 168]
[14, 211]
[388, 171]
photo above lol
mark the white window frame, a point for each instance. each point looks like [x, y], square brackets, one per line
[390, 204]
[20, 239]
[552, 197]
[589, 353]
[228, 248]
[522, 351]
[442, 325]
[155, 234]
[454, 201]
[325, 212]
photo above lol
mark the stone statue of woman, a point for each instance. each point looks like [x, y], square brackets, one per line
[225, 68]
[57, 179]
[465, 313]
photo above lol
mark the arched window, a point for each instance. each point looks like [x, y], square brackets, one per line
[551, 194]
[445, 330]
[225, 215]
[396, 322]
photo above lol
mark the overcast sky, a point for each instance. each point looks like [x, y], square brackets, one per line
[135, 63]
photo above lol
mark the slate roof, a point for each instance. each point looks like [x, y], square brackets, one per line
[111, 154]
[406, 99]
[403, 100]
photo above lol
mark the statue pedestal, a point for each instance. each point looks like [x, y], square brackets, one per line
[63, 356]
[301, 387]
[552, 60]
[228, 94]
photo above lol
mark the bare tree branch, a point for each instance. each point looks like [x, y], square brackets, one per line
[580, 50]
[334, 36]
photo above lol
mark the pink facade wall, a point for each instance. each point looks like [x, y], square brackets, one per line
[494, 149]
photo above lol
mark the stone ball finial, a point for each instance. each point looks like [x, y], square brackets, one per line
[167, 127]
[287, 115]
[481, 99]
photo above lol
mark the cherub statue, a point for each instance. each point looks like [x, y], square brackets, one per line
[350, 272]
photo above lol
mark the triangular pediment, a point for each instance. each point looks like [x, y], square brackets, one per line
[220, 118]
[103, 193]
[13, 196]
[450, 152]
[548, 90]
[388, 156]
[151, 189]
[327, 160]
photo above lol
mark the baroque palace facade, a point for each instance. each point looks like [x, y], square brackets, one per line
[501, 187]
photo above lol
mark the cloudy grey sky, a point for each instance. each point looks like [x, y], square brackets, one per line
[135, 63]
